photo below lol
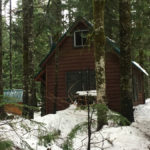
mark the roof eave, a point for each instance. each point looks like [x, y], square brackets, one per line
[140, 68]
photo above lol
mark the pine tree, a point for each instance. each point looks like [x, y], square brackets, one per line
[141, 31]
[99, 44]
[57, 11]
[112, 19]
[25, 55]
[10, 43]
[2, 113]
[32, 91]
[1, 80]
[125, 62]
[28, 66]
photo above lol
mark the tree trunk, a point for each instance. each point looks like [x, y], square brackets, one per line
[10, 45]
[28, 57]
[31, 91]
[139, 26]
[2, 113]
[125, 61]
[69, 12]
[56, 81]
[99, 42]
[57, 11]
[25, 55]
[99, 45]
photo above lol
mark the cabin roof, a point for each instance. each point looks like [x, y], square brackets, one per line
[90, 26]
[140, 68]
[39, 74]
[61, 39]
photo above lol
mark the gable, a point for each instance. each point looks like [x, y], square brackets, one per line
[140, 68]
[79, 24]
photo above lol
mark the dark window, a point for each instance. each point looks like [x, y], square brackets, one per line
[73, 83]
[80, 38]
[80, 81]
[92, 80]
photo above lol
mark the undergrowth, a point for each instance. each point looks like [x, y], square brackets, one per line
[115, 117]
[48, 138]
[68, 144]
[6, 145]
[118, 119]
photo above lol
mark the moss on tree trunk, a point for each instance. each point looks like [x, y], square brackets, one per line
[28, 57]
[125, 61]
[99, 45]
[2, 113]
[56, 5]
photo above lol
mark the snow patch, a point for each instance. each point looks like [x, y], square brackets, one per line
[87, 93]
[134, 137]
[142, 69]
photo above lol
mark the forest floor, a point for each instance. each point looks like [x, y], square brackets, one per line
[53, 131]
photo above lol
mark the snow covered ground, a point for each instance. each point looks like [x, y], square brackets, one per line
[24, 133]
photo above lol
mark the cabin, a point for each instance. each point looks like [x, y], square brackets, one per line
[76, 70]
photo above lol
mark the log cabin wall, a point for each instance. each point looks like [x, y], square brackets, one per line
[138, 85]
[82, 58]
[76, 59]
[113, 81]
[70, 59]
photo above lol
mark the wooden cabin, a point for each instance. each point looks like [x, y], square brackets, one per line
[76, 70]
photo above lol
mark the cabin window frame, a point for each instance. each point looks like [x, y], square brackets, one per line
[86, 77]
[82, 42]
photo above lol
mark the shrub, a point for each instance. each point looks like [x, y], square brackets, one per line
[68, 143]
[48, 138]
[102, 119]
[6, 145]
[118, 119]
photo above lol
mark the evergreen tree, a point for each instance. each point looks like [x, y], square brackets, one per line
[32, 99]
[10, 43]
[112, 19]
[28, 66]
[99, 45]
[84, 9]
[2, 113]
[141, 46]
[25, 55]
[125, 61]
[57, 11]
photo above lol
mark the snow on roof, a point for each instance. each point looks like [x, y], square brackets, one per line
[110, 39]
[142, 69]
[87, 93]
